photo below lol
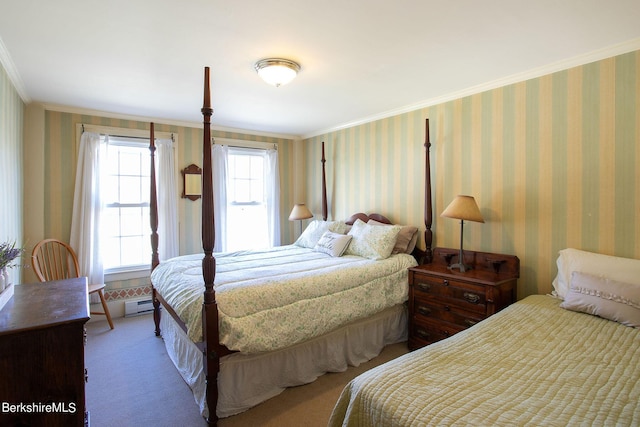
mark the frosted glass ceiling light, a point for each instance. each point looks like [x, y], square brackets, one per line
[277, 71]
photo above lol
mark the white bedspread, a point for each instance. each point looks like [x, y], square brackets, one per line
[275, 298]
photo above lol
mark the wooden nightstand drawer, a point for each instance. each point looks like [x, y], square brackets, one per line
[428, 331]
[443, 301]
[465, 295]
[428, 308]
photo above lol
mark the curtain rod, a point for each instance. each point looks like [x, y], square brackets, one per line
[275, 146]
[127, 136]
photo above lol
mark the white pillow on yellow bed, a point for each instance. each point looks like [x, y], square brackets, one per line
[603, 297]
[625, 270]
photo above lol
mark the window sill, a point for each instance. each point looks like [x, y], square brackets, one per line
[132, 273]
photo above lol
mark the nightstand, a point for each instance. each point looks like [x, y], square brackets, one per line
[443, 302]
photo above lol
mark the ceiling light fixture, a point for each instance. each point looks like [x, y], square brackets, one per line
[277, 71]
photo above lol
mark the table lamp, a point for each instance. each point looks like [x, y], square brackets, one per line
[462, 208]
[300, 212]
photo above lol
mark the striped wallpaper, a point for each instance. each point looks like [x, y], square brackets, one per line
[553, 162]
[11, 185]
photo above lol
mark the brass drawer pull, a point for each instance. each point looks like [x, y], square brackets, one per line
[472, 298]
[445, 282]
[422, 333]
[424, 310]
[425, 287]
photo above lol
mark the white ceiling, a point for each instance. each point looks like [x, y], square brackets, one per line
[361, 59]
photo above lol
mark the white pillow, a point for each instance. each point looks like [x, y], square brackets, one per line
[614, 268]
[332, 243]
[371, 241]
[406, 240]
[604, 297]
[316, 228]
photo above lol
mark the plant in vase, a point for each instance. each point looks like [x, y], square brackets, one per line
[8, 254]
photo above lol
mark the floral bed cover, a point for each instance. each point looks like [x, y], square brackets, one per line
[275, 298]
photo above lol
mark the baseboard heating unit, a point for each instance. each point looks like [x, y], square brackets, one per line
[137, 307]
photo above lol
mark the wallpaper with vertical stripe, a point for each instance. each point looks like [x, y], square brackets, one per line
[553, 162]
[11, 184]
[60, 166]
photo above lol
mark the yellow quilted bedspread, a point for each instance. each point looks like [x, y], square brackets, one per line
[534, 363]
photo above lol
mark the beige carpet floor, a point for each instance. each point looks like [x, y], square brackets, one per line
[132, 382]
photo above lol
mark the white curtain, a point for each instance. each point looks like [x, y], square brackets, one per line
[220, 160]
[168, 245]
[87, 206]
[273, 196]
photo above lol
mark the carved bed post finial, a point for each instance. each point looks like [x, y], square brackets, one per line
[324, 186]
[428, 209]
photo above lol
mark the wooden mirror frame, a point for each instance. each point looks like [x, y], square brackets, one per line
[191, 176]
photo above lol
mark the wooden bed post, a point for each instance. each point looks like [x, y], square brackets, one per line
[153, 213]
[210, 332]
[428, 210]
[155, 259]
[324, 187]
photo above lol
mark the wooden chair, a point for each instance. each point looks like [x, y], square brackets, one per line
[53, 259]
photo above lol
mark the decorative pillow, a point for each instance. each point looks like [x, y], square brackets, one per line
[406, 240]
[412, 243]
[371, 241]
[604, 297]
[615, 268]
[332, 243]
[316, 228]
[339, 227]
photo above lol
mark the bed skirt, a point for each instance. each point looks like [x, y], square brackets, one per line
[247, 380]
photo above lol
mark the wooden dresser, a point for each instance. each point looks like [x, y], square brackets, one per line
[42, 339]
[443, 302]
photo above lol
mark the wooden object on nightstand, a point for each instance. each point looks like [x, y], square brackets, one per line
[443, 302]
[42, 340]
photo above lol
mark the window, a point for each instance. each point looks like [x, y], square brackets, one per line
[125, 220]
[110, 219]
[247, 204]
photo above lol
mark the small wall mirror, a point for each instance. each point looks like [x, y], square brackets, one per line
[192, 182]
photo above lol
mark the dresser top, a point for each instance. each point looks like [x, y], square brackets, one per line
[486, 267]
[40, 305]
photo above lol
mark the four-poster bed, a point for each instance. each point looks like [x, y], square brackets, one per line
[230, 360]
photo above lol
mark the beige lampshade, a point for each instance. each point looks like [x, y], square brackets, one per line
[300, 211]
[463, 207]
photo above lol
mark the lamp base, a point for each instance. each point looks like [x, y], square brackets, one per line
[460, 264]
[461, 267]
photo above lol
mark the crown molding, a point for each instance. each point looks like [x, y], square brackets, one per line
[597, 55]
[12, 72]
